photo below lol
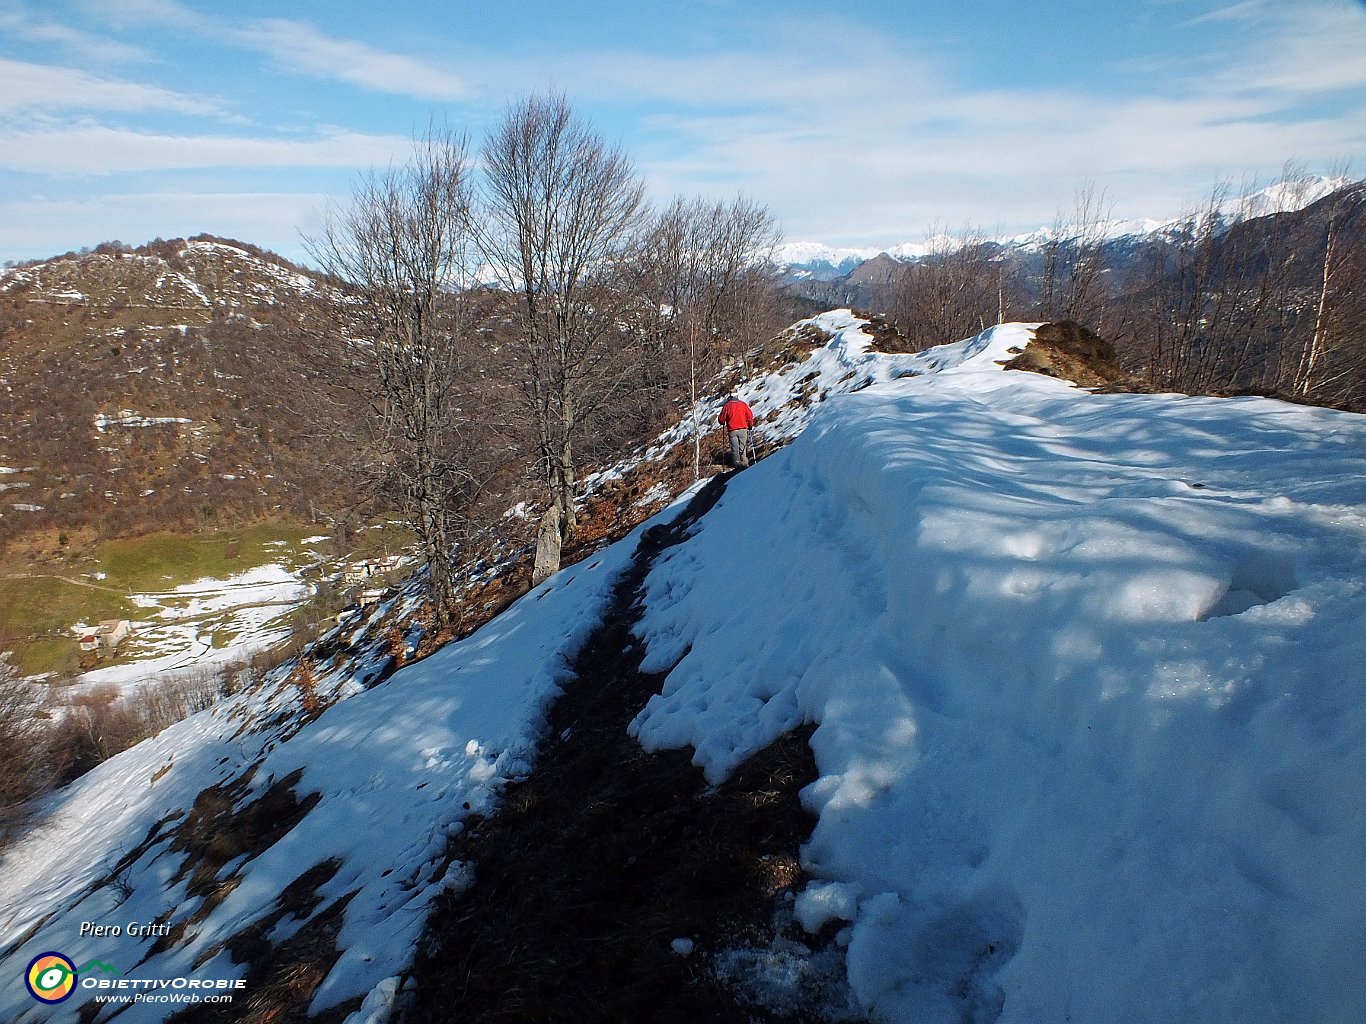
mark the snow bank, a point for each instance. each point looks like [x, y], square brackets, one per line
[1087, 673]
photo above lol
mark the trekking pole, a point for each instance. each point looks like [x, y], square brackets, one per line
[751, 446]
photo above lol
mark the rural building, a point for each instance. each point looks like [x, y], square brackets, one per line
[359, 572]
[112, 632]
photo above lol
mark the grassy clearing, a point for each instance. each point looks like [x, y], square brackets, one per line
[37, 611]
[37, 614]
[162, 561]
[40, 657]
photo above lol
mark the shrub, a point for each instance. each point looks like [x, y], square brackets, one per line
[25, 749]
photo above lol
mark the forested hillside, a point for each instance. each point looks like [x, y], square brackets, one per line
[157, 388]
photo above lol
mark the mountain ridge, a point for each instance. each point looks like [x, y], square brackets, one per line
[820, 261]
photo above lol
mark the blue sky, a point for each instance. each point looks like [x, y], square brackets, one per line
[865, 122]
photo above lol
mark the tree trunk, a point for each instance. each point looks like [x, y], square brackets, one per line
[547, 561]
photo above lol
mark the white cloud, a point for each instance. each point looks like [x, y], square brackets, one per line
[303, 48]
[160, 13]
[26, 87]
[94, 149]
[879, 169]
[297, 46]
[876, 147]
[849, 135]
[86, 45]
[1308, 49]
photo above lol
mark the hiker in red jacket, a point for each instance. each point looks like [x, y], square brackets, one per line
[738, 419]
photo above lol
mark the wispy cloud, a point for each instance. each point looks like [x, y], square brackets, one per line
[95, 149]
[296, 46]
[15, 23]
[1248, 11]
[1307, 50]
[32, 88]
[858, 158]
[162, 13]
[852, 132]
[301, 47]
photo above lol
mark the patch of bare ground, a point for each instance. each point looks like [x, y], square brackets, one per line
[886, 337]
[1069, 351]
[606, 854]
[282, 977]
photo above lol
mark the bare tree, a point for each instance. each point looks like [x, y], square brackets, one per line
[1074, 260]
[955, 291]
[1331, 356]
[1232, 299]
[404, 250]
[562, 213]
[706, 274]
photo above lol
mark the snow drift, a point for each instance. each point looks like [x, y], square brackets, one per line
[1087, 673]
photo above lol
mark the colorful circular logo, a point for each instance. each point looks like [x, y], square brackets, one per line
[51, 977]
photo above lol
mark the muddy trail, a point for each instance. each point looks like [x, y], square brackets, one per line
[605, 855]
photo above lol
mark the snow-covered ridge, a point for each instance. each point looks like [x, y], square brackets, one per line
[1086, 668]
[1091, 732]
[785, 400]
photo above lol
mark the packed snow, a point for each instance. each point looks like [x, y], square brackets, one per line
[1086, 675]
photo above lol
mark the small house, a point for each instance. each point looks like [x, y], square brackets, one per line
[89, 643]
[112, 632]
[358, 572]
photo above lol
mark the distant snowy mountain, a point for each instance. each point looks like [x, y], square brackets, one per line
[816, 261]
[813, 259]
[1084, 672]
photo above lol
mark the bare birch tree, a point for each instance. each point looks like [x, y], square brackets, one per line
[404, 250]
[562, 212]
[1331, 360]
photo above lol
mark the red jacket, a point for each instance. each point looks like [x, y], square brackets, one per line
[736, 415]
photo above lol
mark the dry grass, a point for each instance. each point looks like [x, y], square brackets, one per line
[282, 978]
[1070, 351]
[220, 828]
